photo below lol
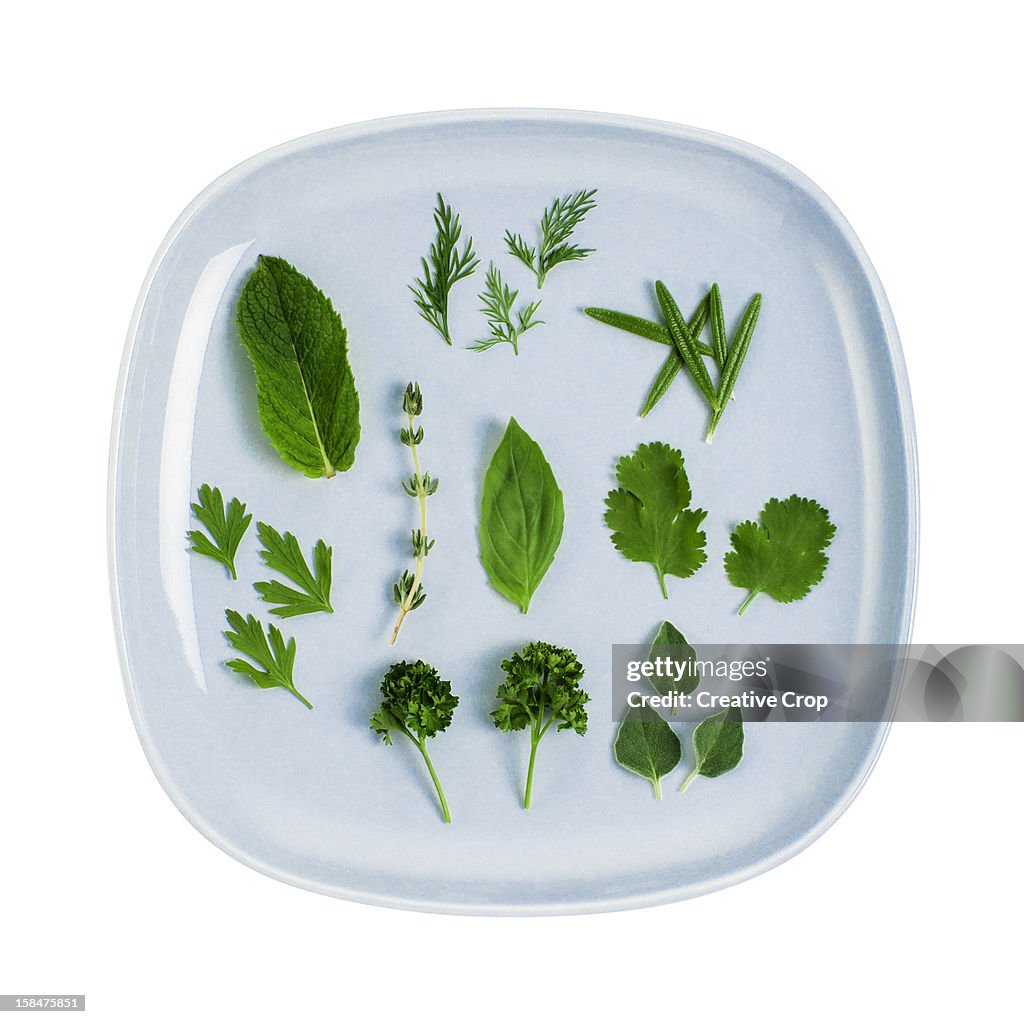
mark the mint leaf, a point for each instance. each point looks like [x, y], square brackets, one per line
[521, 516]
[717, 745]
[274, 657]
[647, 746]
[283, 555]
[784, 555]
[649, 515]
[226, 529]
[307, 398]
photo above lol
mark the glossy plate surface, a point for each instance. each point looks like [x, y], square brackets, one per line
[313, 797]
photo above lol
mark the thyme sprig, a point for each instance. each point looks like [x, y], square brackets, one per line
[408, 591]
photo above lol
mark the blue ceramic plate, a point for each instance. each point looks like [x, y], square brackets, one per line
[822, 409]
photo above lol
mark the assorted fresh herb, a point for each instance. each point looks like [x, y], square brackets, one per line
[419, 704]
[309, 409]
[305, 390]
[558, 223]
[274, 656]
[408, 591]
[647, 746]
[498, 300]
[649, 513]
[521, 517]
[283, 555]
[690, 351]
[225, 528]
[541, 689]
[783, 556]
[717, 746]
[444, 267]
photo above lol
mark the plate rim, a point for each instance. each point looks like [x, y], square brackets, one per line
[553, 115]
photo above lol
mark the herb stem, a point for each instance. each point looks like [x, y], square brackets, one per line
[534, 742]
[657, 788]
[689, 778]
[746, 604]
[661, 580]
[299, 695]
[437, 782]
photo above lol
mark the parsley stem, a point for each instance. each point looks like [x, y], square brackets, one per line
[746, 604]
[689, 778]
[534, 743]
[437, 782]
[661, 580]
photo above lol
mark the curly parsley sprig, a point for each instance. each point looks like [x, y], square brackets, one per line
[542, 689]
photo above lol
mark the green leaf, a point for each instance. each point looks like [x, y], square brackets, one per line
[498, 300]
[541, 689]
[686, 343]
[669, 642]
[419, 704]
[307, 398]
[444, 267]
[784, 555]
[521, 516]
[649, 514]
[717, 745]
[647, 746]
[226, 529]
[274, 657]
[674, 363]
[283, 555]
[733, 362]
[560, 219]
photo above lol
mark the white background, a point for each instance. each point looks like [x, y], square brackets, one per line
[115, 116]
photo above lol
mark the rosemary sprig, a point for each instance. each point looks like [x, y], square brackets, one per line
[445, 267]
[559, 221]
[408, 591]
[498, 300]
[689, 350]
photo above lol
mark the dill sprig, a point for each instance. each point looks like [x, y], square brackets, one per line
[408, 591]
[444, 268]
[498, 300]
[560, 219]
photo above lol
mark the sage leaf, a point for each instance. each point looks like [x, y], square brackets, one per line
[647, 746]
[521, 516]
[308, 405]
[717, 745]
[669, 642]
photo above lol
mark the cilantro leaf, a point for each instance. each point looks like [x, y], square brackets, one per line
[283, 555]
[784, 555]
[226, 529]
[542, 688]
[307, 398]
[275, 660]
[649, 514]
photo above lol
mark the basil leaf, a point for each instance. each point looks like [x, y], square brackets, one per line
[521, 516]
[307, 397]
[647, 746]
[717, 745]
